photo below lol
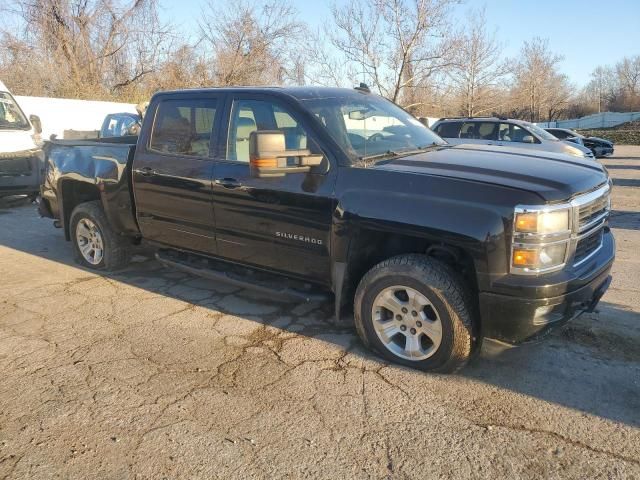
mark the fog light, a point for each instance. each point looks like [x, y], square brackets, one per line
[546, 314]
[539, 258]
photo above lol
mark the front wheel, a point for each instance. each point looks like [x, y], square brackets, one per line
[95, 244]
[414, 310]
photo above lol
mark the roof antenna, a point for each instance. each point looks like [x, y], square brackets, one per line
[363, 87]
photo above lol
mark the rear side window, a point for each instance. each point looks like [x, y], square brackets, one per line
[449, 129]
[486, 131]
[468, 130]
[559, 133]
[183, 127]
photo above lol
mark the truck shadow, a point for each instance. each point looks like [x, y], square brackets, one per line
[581, 367]
[626, 182]
[622, 167]
[624, 219]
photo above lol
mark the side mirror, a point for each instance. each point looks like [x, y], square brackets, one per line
[37, 124]
[269, 156]
[528, 139]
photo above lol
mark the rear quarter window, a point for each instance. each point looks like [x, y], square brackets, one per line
[449, 129]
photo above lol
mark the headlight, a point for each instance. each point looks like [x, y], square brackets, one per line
[554, 221]
[540, 239]
[575, 152]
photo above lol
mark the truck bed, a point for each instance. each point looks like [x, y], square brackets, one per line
[103, 166]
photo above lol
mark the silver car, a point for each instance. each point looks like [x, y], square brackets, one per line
[504, 132]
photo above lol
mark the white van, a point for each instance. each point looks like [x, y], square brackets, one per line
[21, 163]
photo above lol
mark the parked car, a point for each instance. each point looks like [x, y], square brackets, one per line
[120, 124]
[600, 147]
[313, 193]
[21, 163]
[504, 132]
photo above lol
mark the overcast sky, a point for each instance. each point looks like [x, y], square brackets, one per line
[587, 33]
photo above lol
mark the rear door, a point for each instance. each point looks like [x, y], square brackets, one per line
[173, 169]
[281, 223]
[512, 135]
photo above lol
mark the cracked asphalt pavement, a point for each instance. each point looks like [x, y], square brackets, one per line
[152, 373]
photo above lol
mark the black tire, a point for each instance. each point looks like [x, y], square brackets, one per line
[449, 296]
[116, 248]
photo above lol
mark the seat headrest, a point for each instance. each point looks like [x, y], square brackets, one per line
[245, 127]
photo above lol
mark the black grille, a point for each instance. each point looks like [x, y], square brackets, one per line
[15, 167]
[593, 210]
[587, 246]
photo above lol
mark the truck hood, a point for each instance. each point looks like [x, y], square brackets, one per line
[553, 176]
[16, 141]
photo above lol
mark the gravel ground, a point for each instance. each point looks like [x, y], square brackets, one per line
[150, 373]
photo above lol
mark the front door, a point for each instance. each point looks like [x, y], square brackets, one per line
[512, 135]
[281, 223]
[172, 173]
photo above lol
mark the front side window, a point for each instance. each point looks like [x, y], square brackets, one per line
[11, 117]
[249, 116]
[183, 127]
[510, 132]
[368, 126]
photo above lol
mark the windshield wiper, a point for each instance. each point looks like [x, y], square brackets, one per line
[378, 156]
[399, 153]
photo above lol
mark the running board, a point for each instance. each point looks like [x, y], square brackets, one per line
[212, 270]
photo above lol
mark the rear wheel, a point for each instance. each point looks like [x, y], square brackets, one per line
[95, 243]
[415, 310]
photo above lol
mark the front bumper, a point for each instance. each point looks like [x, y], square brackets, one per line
[532, 311]
[605, 151]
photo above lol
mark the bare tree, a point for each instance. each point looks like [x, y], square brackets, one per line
[478, 68]
[539, 86]
[252, 43]
[396, 45]
[321, 65]
[628, 70]
[86, 48]
[601, 89]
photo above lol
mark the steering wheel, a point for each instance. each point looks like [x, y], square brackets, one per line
[376, 137]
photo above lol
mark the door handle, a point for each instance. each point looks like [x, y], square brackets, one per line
[145, 171]
[228, 182]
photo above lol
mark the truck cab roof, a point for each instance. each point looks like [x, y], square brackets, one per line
[300, 93]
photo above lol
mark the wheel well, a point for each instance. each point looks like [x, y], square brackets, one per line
[73, 194]
[371, 248]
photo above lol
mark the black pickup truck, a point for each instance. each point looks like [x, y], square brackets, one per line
[313, 193]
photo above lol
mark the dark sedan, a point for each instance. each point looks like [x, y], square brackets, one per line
[600, 147]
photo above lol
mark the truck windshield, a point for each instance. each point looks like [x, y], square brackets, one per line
[11, 116]
[368, 127]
